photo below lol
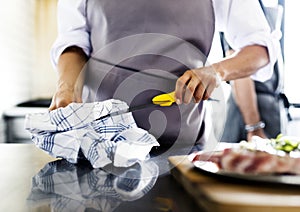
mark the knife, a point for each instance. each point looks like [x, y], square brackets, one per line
[163, 100]
[128, 110]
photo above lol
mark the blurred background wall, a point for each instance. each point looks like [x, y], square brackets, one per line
[45, 33]
[28, 29]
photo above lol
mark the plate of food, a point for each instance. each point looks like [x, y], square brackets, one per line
[260, 160]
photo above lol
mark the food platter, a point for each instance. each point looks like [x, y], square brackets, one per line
[211, 169]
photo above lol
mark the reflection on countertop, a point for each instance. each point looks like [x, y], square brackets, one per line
[68, 187]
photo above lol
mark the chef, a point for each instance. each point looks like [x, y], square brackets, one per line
[135, 49]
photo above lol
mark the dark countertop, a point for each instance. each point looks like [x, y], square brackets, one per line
[31, 180]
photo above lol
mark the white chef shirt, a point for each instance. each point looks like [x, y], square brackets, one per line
[242, 21]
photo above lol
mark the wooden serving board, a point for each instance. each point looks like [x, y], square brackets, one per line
[215, 194]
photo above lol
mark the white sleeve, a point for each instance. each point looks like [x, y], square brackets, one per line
[72, 28]
[243, 23]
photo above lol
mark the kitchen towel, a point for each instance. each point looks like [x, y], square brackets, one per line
[73, 132]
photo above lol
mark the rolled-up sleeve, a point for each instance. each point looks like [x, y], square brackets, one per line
[243, 23]
[72, 28]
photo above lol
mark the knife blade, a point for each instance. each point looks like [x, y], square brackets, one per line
[160, 100]
[128, 110]
[163, 100]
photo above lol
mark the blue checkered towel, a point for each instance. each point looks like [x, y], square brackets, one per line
[72, 131]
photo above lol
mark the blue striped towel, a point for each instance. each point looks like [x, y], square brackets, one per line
[72, 131]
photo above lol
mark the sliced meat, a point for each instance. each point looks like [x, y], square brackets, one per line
[246, 161]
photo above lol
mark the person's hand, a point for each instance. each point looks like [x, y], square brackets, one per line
[258, 132]
[63, 96]
[196, 84]
[70, 77]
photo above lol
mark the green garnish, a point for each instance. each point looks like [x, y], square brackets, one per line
[284, 144]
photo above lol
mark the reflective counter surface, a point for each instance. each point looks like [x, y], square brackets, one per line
[31, 180]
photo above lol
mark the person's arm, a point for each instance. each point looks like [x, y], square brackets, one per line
[199, 83]
[246, 99]
[243, 63]
[70, 51]
[246, 30]
[69, 85]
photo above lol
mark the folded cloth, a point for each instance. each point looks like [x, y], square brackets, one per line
[73, 131]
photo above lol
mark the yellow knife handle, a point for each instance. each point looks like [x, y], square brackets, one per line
[164, 100]
[168, 99]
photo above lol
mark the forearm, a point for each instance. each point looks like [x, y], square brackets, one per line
[70, 65]
[243, 63]
[70, 79]
[246, 99]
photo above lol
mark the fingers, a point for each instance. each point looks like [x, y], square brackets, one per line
[196, 85]
[200, 93]
[63, 99]
[52, 105]
[188, 88]
[191, 89]
[180, 86]
[58, 102]
[205, 93]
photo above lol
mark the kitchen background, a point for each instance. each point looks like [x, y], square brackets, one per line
[28, 29]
